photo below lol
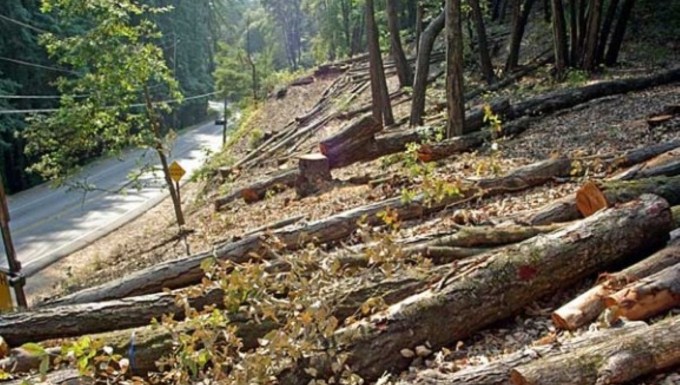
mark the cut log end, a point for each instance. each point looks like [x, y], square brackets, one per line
[590, 199]
[518, 379]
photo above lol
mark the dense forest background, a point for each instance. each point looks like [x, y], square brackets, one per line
[239, 49]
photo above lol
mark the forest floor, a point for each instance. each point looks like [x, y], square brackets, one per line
[609, 125]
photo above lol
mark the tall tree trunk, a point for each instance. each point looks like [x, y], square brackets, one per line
[420, 14]
[423, 68]
[455, 100]
[403, 68]
[606, 30]
[520, 16]
[382, 108]
[155, 123]
[484, 57]
[592, 33]
[619, 32]
[559, 36]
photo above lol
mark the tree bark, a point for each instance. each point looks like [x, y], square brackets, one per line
[619, 31]
[495, 288]
[423, 68]
[592, 33]
[455, 100]
[498, 372]
[615, 361]
[484, 56]
[420, 15]
[559, 36]
[382, 109]
[609, 17]
[666, 164]
[587, 306]
[648, 297]
[520, 16]
[353, 136]
[403, 68]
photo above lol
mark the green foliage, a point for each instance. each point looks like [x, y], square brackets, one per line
[118, 65]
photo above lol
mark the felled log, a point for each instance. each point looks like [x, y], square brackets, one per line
[565, 209]
[567, 98]
[258, 190]
[187, 271]
[77, 320]
[498, 371]
[616, 361]
[144, 346]
[596, 196]
[666, 164]
[351, 138]
[587, 306]
[648, 297]
[499, 285]
[303, 81]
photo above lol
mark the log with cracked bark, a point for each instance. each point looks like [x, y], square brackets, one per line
[499, 285]
[498, 372]
[648, 297]
[587, 306]
[616, 361]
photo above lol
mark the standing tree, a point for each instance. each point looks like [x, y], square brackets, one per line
[520, 16]
[403, 68]
[382, 107]
[559, 36]
[455, 101]
[484, 56]
[425, 46]
[109, 105]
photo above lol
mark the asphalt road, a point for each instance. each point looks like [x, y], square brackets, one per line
[48, 224]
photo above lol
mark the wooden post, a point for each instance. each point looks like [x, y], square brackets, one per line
[15, 278]
[224, 127]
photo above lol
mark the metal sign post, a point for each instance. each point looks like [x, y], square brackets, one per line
[16, 279]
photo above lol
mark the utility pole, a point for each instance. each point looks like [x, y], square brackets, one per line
[224, 124]
[16, 279]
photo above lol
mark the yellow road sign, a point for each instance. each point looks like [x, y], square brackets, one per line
[5, 296]
[176, 171]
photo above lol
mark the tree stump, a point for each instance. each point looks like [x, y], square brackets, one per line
[315, 172]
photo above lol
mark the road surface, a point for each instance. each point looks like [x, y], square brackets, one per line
[48, 224]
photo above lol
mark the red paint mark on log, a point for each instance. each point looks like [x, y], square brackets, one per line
[526, 273]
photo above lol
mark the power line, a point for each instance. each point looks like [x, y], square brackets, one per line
[29, 64]
[46, 110]
[21, 23]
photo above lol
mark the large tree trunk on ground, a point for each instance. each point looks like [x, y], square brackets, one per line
[259, 190]
[77, 320]
[425, 45]
[565, 209]
[587, 306]
[403, 68]
[648, 297]
[149, 344]
[616, 361]
[496, 287]
[498, 372]
[455, 100]
[350, 141]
